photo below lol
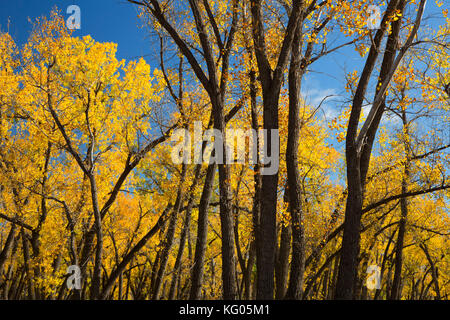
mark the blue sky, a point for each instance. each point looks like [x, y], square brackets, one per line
[109, 21]
[116, 21]
[105, 20]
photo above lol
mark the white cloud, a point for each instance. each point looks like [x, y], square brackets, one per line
[315, 94]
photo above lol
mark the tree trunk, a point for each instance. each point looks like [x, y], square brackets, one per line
[169, 236]
[296, 71]
[184, 234]
[4, 255]
[202, 233]
[396, 292]
[434, 272]
[271, 81]
[358, 154]
[282, 263]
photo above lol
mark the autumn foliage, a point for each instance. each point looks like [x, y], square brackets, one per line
[87, 177]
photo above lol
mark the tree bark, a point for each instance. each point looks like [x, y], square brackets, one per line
[296, 71]
[202, 234]
[359, 146]
[282, 263]
[396, 292]
[271, 84]
[4, 255]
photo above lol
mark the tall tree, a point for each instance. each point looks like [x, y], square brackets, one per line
[359, 145]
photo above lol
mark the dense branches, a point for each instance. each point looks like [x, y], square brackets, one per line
[89, 175]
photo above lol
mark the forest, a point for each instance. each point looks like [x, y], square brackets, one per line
[119, 179]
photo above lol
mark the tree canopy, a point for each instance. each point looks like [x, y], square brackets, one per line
[88, 179]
